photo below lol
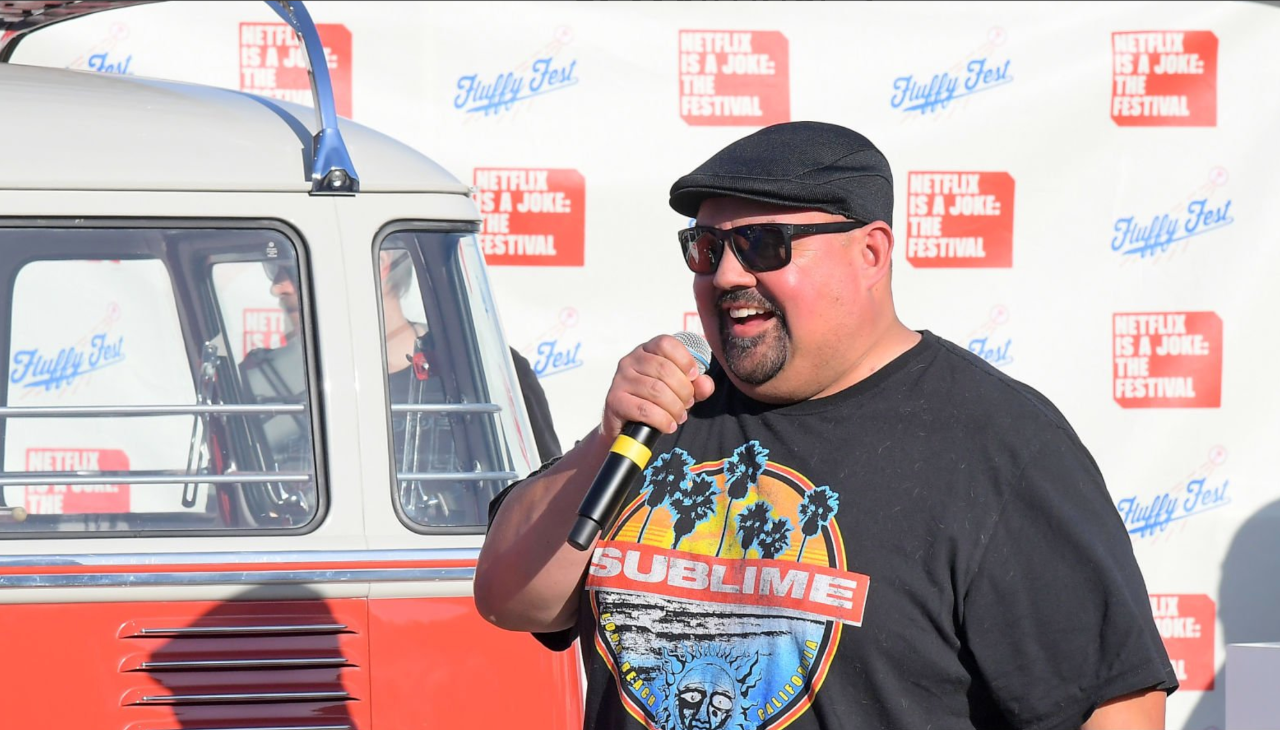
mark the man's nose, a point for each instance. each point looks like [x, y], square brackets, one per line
[730, 273]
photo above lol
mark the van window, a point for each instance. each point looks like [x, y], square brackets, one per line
[451, 392]
[155, 380]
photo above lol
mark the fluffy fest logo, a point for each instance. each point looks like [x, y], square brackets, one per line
[531, 217]
[979, 70]
[52, 371]
[1166, 513]
[274, 64]
[734, 78]
[960, 219]
[749, 554]
[990, 342]
[556, 350]
[480, 95]
[1164, 78]
[1202, 211]
[105, 56]
[1167, 360]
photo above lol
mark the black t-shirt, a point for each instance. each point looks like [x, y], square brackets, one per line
[932, 547]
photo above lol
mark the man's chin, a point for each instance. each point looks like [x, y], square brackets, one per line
[755, 360]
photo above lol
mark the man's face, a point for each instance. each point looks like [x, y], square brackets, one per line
[782, 335]
[285, 290]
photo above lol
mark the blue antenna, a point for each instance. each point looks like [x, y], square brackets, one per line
[332, 172]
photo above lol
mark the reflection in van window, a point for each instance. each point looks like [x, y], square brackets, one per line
[448, 451]
[155, 380]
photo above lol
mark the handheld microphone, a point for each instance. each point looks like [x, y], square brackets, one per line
[627, 458]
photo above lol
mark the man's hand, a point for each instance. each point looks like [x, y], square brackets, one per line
[655, 384]
[528, 577]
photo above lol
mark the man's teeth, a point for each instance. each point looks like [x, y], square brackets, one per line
[745, 312]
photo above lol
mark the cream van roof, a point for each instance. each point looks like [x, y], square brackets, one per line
[78, 130]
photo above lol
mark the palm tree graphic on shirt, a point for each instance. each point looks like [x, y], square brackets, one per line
[661, 480]
[817, 509]
[752, 523]
[691, 504]
[741, 473]
[775, 539]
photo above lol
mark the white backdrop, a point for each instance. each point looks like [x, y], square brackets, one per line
[1121, 158]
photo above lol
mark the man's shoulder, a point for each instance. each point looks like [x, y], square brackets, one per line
[973, 386]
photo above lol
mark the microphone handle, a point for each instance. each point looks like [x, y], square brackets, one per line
[627, 457]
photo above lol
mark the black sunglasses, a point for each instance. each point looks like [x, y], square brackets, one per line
[759, 247]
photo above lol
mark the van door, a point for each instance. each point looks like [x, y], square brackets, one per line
[159, 388]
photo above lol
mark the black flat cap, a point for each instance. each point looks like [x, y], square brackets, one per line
[796, 164]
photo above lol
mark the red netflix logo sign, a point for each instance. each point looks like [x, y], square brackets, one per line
[273, 63]
[1186, 624]
[1164, 78]
[1167, 360]
[532, 217]
[55, 499]
[734, 78]
[264, 327]
[960, 219]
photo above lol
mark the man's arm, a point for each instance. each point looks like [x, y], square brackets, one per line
[528, 577]
[1142, 710]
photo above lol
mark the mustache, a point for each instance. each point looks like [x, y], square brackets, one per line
[745, 298]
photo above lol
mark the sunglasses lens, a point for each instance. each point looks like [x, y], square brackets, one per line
[762, 248]
[701, 250]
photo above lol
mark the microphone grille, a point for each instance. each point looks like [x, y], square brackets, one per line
[697, 346]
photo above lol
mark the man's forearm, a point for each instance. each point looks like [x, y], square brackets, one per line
[528, 577]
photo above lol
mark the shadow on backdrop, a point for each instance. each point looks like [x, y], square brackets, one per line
[1248, 602]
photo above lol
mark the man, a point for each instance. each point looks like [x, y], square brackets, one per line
[850, 524]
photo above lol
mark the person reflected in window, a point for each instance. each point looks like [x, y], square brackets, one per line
[418, 373]
[275, 375]
[409, 356]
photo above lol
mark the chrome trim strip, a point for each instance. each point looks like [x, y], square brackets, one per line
[242, 697]
[29, 478]
[445, 408]
[239, 578]
[158, 410]
[285, 727]
[455, 476]
[254, 558]
[219, 664]
[244, 630]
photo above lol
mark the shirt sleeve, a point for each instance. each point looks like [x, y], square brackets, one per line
[535, 402]
[1057, 615]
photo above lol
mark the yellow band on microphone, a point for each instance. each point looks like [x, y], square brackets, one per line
[626, 446]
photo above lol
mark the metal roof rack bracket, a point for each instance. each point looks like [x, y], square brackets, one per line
[332, 172]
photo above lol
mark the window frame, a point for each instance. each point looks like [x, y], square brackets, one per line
[462, 318]
[181, 267]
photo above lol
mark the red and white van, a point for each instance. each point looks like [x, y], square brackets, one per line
[227, 500]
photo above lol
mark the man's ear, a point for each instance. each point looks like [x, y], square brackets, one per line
[877, 251]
